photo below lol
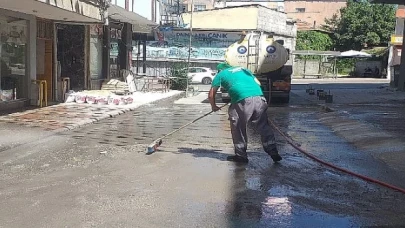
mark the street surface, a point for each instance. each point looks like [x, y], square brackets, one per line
[100, 176]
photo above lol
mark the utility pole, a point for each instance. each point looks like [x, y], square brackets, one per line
[189, 44]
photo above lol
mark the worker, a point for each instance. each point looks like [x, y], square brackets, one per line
[247, 105]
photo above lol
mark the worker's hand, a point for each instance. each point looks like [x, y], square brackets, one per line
[215, 108]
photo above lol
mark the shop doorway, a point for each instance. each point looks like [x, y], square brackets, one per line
[71, 54]
[45, 55]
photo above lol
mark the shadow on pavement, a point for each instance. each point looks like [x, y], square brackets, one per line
[198, 152]
[339, 85]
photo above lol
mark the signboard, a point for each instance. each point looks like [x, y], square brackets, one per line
[400, 13]
[115, 34]
[216, 54]
[206, 45]
[113, 49]
[209, 39]
[96, 30]
[396, 40]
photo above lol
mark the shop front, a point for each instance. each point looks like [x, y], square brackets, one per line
[123, 25]
[45, 42]
[115, 53]
[14, 59]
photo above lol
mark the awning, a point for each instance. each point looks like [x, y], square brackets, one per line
[316, 53]
[394, 2]
[355, 54]
[75, 11]
[139, 24]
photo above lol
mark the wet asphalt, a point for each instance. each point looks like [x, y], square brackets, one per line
[100, 175]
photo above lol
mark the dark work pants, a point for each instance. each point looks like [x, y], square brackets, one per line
[252, 109]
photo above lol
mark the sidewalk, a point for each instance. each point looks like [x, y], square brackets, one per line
[67, 116]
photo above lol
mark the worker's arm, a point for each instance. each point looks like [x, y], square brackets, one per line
[211, 98]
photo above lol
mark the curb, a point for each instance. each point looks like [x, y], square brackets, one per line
[116, 113]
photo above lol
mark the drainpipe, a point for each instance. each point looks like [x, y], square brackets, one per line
[401, 78]
[144, 54]
[56, 77]
[127, 5]
[190, 43]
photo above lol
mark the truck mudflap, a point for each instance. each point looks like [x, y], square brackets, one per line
[277, 84]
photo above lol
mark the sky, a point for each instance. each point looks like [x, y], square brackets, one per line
[142, 7]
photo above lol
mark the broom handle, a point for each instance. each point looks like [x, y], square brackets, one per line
[189, 123]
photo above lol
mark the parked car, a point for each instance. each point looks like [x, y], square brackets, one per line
[202, 75]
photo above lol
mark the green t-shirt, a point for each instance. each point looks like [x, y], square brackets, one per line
[239, 82]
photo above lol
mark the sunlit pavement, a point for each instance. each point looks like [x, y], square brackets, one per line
[100, 176]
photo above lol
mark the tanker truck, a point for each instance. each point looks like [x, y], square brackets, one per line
[267, 59]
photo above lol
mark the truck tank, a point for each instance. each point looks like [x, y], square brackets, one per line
[267, 59]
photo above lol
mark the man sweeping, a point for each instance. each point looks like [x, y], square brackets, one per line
[247, 105]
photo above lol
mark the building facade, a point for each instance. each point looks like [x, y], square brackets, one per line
[213, 32]
[394, 59]
[29, 46]
[313, 13]
[66, 44]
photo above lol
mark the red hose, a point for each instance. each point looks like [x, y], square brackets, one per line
[335, 167]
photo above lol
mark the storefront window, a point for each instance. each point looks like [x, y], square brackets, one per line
[13, 40]
[114, 52]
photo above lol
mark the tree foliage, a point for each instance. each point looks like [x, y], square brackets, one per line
[361, 24]
[313, 40]
[178, 70]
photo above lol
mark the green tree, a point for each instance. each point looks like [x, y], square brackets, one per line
[313, 40]
[179, 72]
[361, 24]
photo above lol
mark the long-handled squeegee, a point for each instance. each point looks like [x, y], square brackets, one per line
[153, 146]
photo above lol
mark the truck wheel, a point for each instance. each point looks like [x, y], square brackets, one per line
[226, 100]
[285, 100]
[268, 97]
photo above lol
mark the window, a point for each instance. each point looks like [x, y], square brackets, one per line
[199, 7]
[300, 10]
[192, 70]
[13, 53]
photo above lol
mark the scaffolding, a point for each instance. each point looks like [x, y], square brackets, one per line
[170, 12]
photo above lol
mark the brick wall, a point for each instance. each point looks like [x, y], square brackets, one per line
[315, 11]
